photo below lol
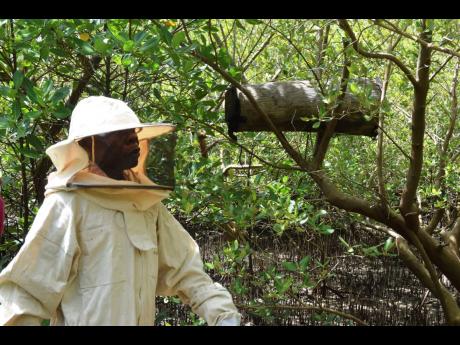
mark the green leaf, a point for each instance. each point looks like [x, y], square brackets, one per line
[305, 118]
[86, 49]
[165, 35]
[177, 39]
[371, 251]
[389, 244]
[128, 46]
[224, 58]
[16, 110]
[209, 265]
[47, 87]
[18, 78]
[60, 94]
[345, 243]
[238, 287]
[154, 67]
[290, 266]
[30, 152]
[304, 263]
[367, 117]
[112, 28]
[278, 228]
[326, 229]
[101, 45]
[62, 112]
[354, 88]
[239, 25]
[316, 124]
[353, 69]
[200, 93]
[59, 52]
[4, 91]
[254, 21]
[329, 231]
[151, 44]
[282, 285]
[35, 142]
[4, 123]
[44, 52]
[31, 92]
[430, 25]
[33, 114]
[126, 61]
[157, 94]
[235, 73]
[140, 36]
[208, 52]
[236, 245]
[304, 220]
[327, 100]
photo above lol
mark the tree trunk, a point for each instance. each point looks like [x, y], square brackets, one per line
[295, 105]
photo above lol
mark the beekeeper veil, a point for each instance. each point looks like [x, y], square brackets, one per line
[99, 115]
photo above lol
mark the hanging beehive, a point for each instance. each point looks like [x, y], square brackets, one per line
[298, 106]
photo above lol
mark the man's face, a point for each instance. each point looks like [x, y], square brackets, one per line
[117, 149]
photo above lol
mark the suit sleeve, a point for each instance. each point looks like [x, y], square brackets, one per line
[32, 285]
[181, 273]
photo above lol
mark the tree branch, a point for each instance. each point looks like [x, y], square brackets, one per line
[379, 156]
[246, 66]
[450, 307]
[322, 42]
[324, 138]
[426, 43]
[437, 216]
[125, 87]
[441, 255]
[396, 144]
[441, 67]
[414, 265]
[348, 30]
[246, 59]
[452, 238]
[408, 205]
[439, 180]
[381, 182]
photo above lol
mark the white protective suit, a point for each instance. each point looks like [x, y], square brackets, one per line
[99, 256]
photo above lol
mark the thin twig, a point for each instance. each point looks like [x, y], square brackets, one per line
[348, 30]
[424, 43]
[441, 67]
[394, 142]
[303, 58]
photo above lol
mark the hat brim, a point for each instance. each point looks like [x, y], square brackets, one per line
[148, 130]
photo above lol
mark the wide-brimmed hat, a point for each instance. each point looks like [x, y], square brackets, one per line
[98, 114]
[93, 116]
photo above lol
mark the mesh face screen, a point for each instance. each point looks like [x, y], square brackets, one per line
[159, 165]
[157, 162]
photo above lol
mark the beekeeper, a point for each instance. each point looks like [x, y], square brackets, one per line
[102, 245]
